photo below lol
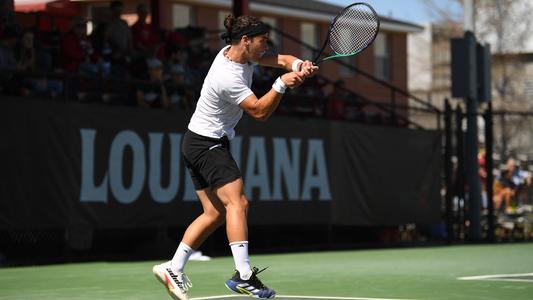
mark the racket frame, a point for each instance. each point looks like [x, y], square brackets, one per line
[316, 61]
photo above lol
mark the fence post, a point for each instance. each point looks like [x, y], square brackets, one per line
[448, 169]
[489, 165]
[460, 173]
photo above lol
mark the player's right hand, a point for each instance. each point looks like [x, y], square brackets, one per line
[308, 68]
[293, 79]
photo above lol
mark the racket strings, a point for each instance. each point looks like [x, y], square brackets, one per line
[353, 30]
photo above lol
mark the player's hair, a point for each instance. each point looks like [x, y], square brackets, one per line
[243, 25]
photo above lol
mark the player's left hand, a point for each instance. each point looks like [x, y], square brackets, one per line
[308, 68]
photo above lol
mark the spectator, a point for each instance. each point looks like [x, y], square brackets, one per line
[7, 43]
[8, 40]
[178, 95]
[120, 40]
[179, 57]
[508, 184]
[31, 60]
[7, 17]
[77, 50]
[153, 93]
[481, 157]
[337, 103]
[102, 48]
[145, 36]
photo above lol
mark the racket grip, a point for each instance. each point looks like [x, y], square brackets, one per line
[297, 65]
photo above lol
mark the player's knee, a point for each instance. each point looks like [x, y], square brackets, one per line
[238, 204]
[217, 217]
[244, 203]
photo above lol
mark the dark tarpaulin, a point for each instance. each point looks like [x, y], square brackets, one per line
[375, 175]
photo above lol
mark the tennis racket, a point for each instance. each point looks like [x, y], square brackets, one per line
[352, 31]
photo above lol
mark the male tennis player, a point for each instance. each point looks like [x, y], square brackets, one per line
[218, 182]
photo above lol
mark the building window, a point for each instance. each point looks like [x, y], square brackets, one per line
[382, 56]
[308, 35]
[274, 36]
[182, 15]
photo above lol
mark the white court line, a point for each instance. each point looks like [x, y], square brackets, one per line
[295, 296]
[498, 277]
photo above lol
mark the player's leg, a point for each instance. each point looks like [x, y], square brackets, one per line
[171, 273]
[213, 216]
[235, 203]
[244, 280]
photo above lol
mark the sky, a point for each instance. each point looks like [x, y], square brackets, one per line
[414, 11]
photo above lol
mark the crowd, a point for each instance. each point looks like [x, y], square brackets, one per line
[141, 54]
[512, 186]
[141, 65]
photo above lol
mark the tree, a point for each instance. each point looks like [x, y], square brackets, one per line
[506, 25]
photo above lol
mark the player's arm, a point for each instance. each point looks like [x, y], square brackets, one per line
[289, 63]
[281, 61]
[261, 109]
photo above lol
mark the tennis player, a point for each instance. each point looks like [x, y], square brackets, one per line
[218, 181]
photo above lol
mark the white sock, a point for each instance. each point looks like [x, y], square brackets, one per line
[241, 258]
[181, 257]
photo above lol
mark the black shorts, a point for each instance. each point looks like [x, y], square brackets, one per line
[208, 160]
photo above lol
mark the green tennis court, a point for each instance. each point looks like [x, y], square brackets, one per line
[421, 273]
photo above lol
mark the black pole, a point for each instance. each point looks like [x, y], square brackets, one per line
[489, 166]
[154, 9]
[448, 169]
[472, 170]
[241, 7]
[460, 174]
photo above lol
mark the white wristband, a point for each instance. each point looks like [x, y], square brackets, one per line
[279, 86]
[296, 65]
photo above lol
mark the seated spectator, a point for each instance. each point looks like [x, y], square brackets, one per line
[179, 57]
[508, 184]
[175, 39]
[176, 89]
[30, 59]
[77, 50]
[153, 93]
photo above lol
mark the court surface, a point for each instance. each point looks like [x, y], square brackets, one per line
[456, 272]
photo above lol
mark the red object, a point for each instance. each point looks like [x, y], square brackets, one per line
[176, 38]
[336, 108]
[73, 52]
[51, 14]
[144, 35]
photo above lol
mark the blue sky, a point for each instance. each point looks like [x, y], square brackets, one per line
[414, 11]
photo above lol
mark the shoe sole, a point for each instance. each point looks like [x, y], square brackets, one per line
[255, 296]
[167, 285]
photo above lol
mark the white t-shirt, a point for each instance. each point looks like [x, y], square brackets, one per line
[226, 85]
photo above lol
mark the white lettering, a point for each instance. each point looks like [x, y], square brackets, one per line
[127, 138]
[89, 191]
[315, 156]
[160, 194]
[287, 168]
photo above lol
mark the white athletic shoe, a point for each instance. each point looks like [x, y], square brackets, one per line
[176, 283]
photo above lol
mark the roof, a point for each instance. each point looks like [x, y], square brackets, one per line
[331, 10]
[311, 10]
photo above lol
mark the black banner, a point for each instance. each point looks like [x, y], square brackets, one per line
[89, 165]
